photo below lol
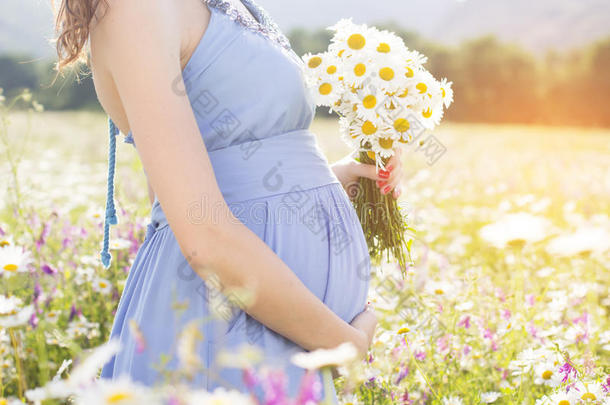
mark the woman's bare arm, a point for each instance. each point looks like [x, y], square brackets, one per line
[137, 43]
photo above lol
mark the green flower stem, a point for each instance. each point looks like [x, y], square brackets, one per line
[383, 224]
[328, 385]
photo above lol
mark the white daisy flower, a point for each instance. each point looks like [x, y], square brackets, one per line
[384, 146]
[490, 397]
[352, 39]
[446, 92]
[547, 373]
[119, 244]
[314, 63]
[516, 230]
[326, 92]
[122, 391]
[12, 314]
[101, 285]
[356, 71]
[588, 392]
[388, 43]
[13, 259]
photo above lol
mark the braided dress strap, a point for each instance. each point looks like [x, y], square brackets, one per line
[110, 216]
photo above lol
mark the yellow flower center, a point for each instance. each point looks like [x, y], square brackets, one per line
[427, 113]
[369, 102]
[101, 284]
[386, 143]
[4, 243]
[439, 291]
[325, 89]
[386, 73]
[314, 62]
[402, 125]
[360, 69]
[404, 93]
[547, 374]
[383, 48]
[403, 330]
[356, 41]
[422, 87]
[332, 69]
[118, 397]
[588, 396]
[341, 52]
[564, 402]
[371, 154]
[368, 128]
[443, 92]
[11, 267]
[410, 72]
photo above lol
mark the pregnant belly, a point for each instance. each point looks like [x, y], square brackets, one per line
[317, 234]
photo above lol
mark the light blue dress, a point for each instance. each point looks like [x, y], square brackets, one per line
[246, 89]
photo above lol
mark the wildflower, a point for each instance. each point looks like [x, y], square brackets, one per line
[490, 397]
[12, 314]
[341, 355]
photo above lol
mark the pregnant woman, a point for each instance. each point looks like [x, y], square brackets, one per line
[212, 97]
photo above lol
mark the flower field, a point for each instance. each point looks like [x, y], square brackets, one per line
[507, 301]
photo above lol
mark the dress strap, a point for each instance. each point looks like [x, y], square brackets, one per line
[110, 217]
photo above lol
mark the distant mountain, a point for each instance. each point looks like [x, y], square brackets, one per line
[26, 25]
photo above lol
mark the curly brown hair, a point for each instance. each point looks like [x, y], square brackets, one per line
[72, 23]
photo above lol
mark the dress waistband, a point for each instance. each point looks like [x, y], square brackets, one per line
[265, 167]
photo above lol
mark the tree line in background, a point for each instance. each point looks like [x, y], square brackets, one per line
[494, 82]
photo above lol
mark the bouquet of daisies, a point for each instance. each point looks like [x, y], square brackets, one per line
[382, 93]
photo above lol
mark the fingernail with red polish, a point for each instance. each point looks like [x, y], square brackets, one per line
[380, 183]
[384, 174]
[386, 190]
[389, 168]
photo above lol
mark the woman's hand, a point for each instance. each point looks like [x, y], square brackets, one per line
[348, 170]
[365, 322]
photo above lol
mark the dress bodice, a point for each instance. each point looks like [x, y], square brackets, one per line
[243, 80]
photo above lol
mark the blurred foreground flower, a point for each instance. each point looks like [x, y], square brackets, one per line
[516, 230]
[339, 356]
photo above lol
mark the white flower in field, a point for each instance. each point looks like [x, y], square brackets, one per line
[343, 354]
[119, 244]
[560, 397]
[588, 392]
[52, 316]
[87, 369]
[243, 357]
[220, 396]
[12, 314]
[90, 260]
[81, 377]
[13, 259]
[82, 327]
[547, 373]
[122, 391]
[516, 230]
[453, 400]
[84, 275]
[584, 241]
[6, 240]
[490, 397]
[101, 285]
